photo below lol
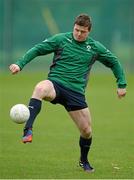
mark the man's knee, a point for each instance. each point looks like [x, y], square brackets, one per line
[86, 132]
[44, 90]
[41, 90]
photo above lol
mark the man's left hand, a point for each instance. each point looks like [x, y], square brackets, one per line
[121, 92]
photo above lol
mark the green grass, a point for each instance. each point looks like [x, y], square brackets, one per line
[54, 152]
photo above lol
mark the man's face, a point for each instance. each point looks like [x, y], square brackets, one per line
[80, 33]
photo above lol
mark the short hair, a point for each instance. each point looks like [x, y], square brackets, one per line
[83, 20]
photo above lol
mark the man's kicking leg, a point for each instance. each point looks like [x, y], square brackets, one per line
[44, 90]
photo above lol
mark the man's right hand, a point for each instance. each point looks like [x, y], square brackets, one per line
[14, 68]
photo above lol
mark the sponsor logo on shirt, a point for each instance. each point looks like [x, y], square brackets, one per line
[70, 40]
[45, 40]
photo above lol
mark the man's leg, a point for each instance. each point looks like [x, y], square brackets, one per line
[44, 90]
[82, 119]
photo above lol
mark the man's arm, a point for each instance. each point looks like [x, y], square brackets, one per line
[47, 46]
[111, 61]
[18, 66]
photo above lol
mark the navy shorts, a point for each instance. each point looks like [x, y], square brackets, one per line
[71, 100]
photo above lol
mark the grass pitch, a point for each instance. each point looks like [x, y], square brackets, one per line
[54, 153]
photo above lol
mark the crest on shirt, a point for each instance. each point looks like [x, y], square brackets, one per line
[88, 47]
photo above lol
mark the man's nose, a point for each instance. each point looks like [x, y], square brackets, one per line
[79, 33]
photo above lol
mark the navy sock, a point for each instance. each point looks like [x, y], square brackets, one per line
[84, 148]
[34, 108]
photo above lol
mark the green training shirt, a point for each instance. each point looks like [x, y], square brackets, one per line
[73, 60]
